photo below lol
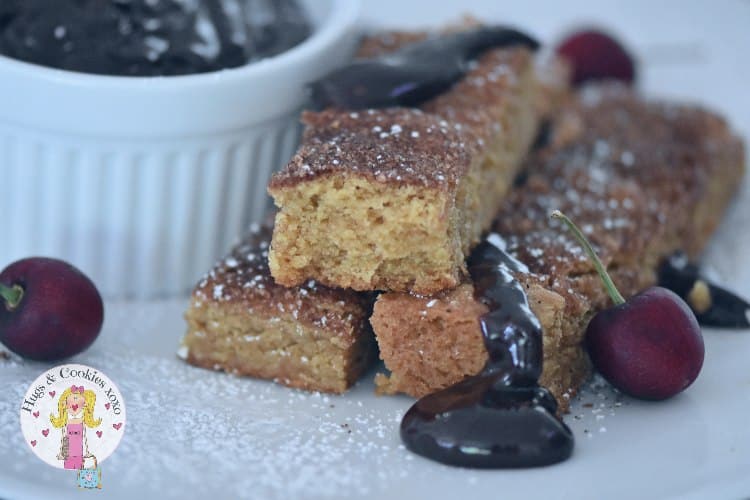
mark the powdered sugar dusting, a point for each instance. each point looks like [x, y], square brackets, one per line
[430, 146]
[211, 434]
[214, 434]
[193, 433]
[624, 168]
[243, 277]
[596, 405]
[388, 145]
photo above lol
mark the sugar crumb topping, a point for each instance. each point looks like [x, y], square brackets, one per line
[244, 276]
[611, 157]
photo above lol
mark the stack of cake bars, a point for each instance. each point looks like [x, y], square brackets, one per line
[379, 210]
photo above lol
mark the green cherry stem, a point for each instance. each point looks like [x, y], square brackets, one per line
[12, 295]
[612, 290]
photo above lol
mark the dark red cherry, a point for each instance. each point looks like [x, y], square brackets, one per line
[49, 310]
[595, 55]
[649, 346]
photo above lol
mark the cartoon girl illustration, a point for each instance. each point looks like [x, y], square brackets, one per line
[75, 412]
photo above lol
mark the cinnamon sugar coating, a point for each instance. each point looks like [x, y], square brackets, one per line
[243, 278]
[634, 174]
[394, 199]
[641, 178]
[311, 336]
[394, 145]
[433, 145]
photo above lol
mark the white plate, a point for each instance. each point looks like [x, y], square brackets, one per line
[193, 433]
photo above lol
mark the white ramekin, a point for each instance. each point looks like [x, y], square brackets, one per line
[144, 182]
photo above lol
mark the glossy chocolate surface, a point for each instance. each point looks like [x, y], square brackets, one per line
[414, 73]
[149, 37]
[500, 418]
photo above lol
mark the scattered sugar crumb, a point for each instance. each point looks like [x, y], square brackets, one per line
[183, 352]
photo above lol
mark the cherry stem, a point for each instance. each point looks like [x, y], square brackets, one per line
[12, 295]
[612, 290]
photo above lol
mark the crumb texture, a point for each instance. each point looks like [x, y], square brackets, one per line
[372, 231]
[394, 199]
[641, 178]
[311, 336]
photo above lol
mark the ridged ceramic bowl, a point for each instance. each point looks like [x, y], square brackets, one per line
[143, 182]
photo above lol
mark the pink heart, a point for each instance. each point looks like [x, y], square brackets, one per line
[74, 407]
[45, 432]
[33, 442]
[36, 414]
[117, 426]
[106, 405]
[52, 394]
[99, 433]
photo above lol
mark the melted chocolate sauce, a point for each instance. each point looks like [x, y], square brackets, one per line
[543, 136]
[149, 37]
[720, 308]
[500, 418]
[413, 74]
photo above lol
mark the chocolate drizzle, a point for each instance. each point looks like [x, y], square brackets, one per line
[413, 74]
[712, 305]
[149, 37]
[500, 418]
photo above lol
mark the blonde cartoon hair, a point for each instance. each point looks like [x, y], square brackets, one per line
[88, 410]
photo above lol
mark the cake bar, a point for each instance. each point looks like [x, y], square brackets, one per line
[642, 179]
[310, 336]
[394, 199]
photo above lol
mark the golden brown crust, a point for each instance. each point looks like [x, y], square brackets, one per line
[643, 179]
[396, 145]
[480, 101]
[394, 199]
[311, 337]
[634, 174]
[243, 278]
[430, 146]
[223, 336]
